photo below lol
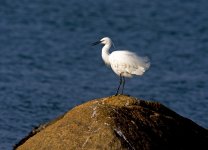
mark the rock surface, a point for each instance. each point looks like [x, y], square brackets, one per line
[115, 123]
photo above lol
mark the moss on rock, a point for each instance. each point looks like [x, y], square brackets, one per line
[118, 122]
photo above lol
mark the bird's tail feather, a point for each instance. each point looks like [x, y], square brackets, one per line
[143, 65]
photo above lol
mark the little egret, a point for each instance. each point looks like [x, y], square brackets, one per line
[124, 63]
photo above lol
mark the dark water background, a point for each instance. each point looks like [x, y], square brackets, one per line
[48, 66]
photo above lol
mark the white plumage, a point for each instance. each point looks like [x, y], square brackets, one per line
[124, 63]
[127, 63]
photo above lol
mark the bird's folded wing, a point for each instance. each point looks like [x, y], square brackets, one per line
[125, 61]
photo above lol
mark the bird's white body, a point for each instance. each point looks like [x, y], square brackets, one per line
[123, 63]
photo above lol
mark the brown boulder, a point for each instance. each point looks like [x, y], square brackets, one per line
[117, 122]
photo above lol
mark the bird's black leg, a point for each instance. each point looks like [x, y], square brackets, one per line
[120, 82]
[123, 85]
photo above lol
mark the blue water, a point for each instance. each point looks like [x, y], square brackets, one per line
[47, 64]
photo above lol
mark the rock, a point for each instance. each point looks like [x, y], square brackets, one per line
[115, 123]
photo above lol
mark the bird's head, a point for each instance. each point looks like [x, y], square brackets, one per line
[104, 41]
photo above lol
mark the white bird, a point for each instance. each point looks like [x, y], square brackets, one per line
[124, 63]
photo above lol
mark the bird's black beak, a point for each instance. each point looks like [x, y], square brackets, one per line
[96, 43]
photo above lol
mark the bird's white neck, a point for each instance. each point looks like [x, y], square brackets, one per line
[105, 53]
